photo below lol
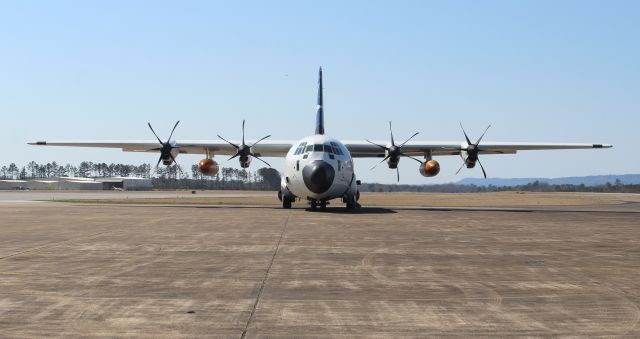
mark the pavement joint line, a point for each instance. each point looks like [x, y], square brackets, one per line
[265, 278]
[35, 249]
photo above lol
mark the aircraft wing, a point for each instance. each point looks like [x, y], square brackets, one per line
[363, 149]
[266, 148]
[358, 149]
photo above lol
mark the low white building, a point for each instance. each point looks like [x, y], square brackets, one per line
[13, 184]
[72, 183]
[43, 184]
[90, 185]
[127, 183]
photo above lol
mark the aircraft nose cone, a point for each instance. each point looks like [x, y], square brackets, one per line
[318, 176]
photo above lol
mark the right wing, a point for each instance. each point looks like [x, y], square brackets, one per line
[266, 148]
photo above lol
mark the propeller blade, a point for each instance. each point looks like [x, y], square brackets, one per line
[398, 172]
[373, 143]
[482, 167]
[391, 131]
[383, 160]
[268, 136]
[413, 136]
[243, 132]
[459, 169]
[260, 159]
[159, 160]
[410, 157]
[154, 133]
[229, 142]
[234, 156]
[465, 135]
[174, 128]
[482, 136]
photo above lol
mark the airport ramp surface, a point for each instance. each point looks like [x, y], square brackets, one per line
[94, 270]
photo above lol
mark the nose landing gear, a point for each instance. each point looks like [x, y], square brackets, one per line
[314, 204]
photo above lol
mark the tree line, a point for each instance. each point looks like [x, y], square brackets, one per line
[86, 169]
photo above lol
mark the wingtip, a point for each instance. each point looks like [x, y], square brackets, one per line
[602, 146]
[36, 143]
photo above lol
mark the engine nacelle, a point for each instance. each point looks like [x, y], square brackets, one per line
[469, 159]
[393, 162]
[166, 158]
[208, 167]
[430, 168]
[245, 161]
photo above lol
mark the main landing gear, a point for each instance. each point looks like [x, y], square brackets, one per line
[286, 202]
[352, 201]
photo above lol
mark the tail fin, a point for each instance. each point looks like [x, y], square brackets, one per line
[320, 111]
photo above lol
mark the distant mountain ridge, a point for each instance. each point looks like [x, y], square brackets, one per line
[592, 180]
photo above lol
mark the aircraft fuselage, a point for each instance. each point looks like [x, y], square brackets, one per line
[319, 168]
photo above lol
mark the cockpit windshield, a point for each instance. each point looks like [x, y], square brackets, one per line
[331, 148]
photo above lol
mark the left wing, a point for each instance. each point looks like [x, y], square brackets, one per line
[267, 148]
[363, 149]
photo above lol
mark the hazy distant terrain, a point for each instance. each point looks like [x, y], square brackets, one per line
[594, 180]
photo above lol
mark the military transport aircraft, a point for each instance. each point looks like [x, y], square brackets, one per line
[319, 168]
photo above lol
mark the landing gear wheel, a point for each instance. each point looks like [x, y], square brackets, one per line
[286, 202]
[323, 205]
[351, 202]
[313, 205]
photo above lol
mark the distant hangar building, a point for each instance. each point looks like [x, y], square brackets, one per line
[126, 183]
[72, 183]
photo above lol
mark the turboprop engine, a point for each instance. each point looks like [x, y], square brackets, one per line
[208, 167]
[244, 151]
[430, 168]
[394, 152]
[168, 150]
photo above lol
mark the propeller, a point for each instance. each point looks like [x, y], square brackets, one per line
[166, 147]
[244, 150]
[473, 150]
[394, 151]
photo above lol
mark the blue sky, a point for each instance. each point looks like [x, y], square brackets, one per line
[563, 71]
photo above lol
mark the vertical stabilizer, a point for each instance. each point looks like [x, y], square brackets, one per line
[320, 111]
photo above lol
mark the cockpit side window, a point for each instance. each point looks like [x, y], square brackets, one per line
[337, 149]
[300, 148]
[309, 149]
[328, 148]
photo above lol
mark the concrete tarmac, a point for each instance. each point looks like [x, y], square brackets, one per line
[87, 270]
